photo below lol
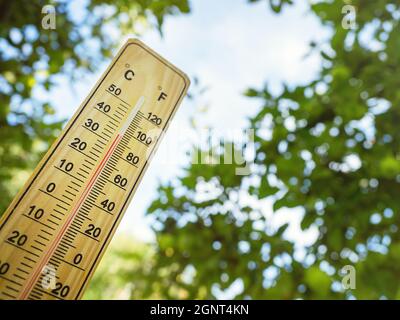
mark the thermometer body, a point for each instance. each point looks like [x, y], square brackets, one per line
[55, 231]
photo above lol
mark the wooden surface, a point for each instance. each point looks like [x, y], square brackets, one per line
[55, 231]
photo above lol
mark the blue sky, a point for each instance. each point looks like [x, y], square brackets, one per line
[229, 45]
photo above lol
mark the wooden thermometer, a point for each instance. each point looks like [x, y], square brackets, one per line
[56, 230]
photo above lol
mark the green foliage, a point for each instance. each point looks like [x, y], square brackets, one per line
[128, 270]
[125, 272]
[333, 154]
[31, 58]
[276, 5]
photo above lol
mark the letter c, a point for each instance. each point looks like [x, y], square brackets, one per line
[129, 74]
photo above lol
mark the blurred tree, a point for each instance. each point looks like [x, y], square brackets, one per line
[128, 271]
[125, 272]
[31, 58]
[332, 152]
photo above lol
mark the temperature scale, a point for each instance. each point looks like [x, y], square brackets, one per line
[56, 230]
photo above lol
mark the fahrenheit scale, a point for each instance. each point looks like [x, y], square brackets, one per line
[56, 230]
